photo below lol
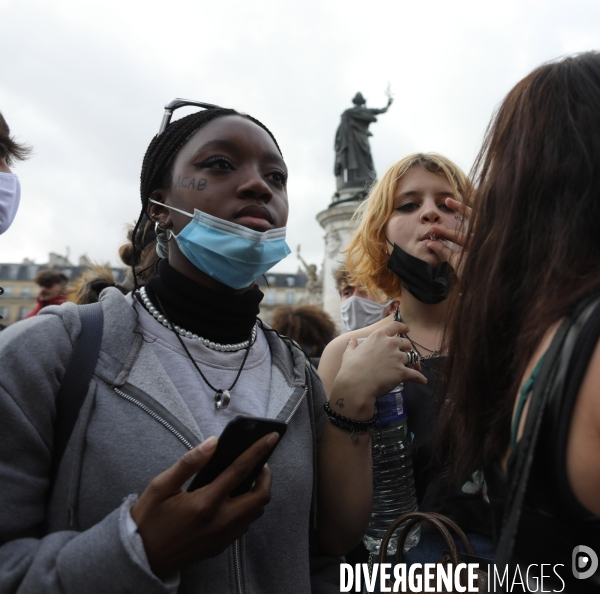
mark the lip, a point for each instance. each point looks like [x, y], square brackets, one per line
[255, 217]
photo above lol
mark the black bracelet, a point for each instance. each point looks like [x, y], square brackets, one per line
[351, 426]
[348, 428]
[338, 417]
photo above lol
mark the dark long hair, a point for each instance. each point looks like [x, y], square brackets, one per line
[534, 251]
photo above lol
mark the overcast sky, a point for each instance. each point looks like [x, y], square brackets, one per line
[85, 84]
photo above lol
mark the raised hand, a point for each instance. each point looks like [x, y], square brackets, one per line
[179, 528]
[372, 369]
[451, 252]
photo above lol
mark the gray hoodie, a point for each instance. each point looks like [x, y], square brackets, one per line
[134, 425]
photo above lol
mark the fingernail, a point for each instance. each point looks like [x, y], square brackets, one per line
[272, 439]
[208, 445]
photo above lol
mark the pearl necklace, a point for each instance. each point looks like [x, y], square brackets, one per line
[215, 346]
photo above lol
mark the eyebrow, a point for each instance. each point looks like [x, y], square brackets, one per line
[411, 193]
[223, 143]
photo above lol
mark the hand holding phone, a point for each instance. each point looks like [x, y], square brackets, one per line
[239, 434]
[179, 528]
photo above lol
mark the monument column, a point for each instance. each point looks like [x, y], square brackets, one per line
[336, 222]
[354, 172]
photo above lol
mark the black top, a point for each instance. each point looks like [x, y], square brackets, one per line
[216, 315]
[552, 521]
[466, 504]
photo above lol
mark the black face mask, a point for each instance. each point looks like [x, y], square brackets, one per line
[428, 284]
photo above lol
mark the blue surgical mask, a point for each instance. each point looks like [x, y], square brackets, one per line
[230, 253]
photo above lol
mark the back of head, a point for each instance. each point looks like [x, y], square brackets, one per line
[367, 256]
[87, 288]
[534, 251]
[310, 326]
[10, 149]
[341, 277]
[50, 277]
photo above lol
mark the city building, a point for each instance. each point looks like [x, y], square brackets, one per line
[281, 289]
[20, 290]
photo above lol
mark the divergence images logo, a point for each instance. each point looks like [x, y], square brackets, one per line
[585, 562]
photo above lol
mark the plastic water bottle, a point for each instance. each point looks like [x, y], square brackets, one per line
[393, 479]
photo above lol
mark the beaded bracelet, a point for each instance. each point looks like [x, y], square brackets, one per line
[353, 431]
[351, 426]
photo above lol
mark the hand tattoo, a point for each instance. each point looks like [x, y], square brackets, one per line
[340, 403]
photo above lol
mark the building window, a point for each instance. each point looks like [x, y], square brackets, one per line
[271, 279]
[4, 312]
[13, 271]
[68, 272]
[23, 311]
[290, 280]
[26, 293]
[289, 297]
[8, 292]
[31, 272]
[270, 298]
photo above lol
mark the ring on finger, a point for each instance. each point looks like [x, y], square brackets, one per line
[412, 358]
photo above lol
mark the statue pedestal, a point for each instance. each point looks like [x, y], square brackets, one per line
[336, 222]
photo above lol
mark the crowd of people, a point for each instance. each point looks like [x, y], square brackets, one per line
[480, 294]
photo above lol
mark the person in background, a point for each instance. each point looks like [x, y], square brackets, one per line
[359, 309]
[53, 289]
[87, 288]
[309, 325]
[391, 252]
[531, 268]
[10, 188]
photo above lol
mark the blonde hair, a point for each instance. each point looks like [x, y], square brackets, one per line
[88, 286]
[367, 256]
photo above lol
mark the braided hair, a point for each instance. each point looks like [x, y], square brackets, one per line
[157, 167]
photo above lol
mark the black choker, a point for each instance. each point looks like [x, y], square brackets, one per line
[215, 315]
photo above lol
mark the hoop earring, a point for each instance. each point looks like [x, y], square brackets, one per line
[162, 243]
[158, 230]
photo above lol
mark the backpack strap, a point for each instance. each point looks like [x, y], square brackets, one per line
[76, 380]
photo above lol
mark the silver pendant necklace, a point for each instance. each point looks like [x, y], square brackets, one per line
[222, 397]
[432, 354]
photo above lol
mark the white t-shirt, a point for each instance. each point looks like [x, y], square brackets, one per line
[10, 197]
[250, 396]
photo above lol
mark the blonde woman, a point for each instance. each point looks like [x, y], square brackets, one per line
[394, 252]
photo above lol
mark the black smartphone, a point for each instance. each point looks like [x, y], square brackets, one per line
[239, 434]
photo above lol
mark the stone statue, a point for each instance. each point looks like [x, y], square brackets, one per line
[353, 161]
[314, 284]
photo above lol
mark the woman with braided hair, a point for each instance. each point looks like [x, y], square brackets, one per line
[179, 358]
